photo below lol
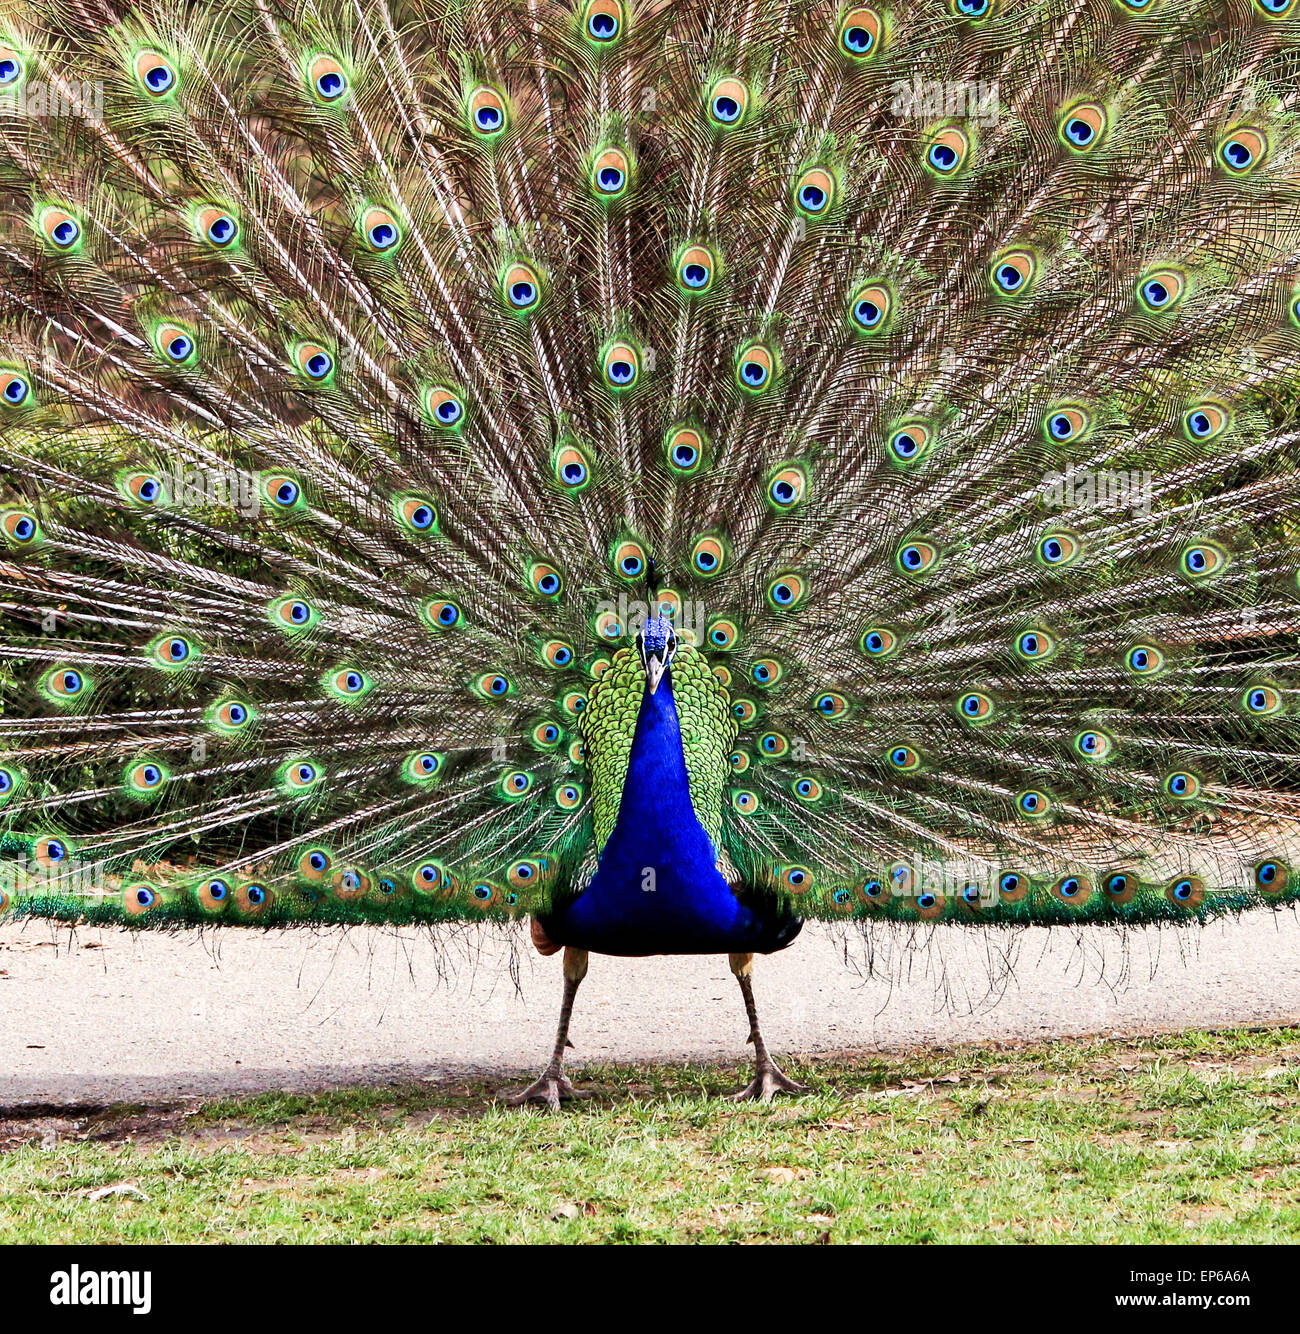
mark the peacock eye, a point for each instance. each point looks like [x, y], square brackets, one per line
[218, 227]
[917, 557]
[727, 102]
[788, 486]
[14, 388]
[604, 21]
[1242, 151]
[1161, 290]
[1013, 271]
[860, 32]
[1144, 660]
[11, 67]
[814, 192]
[1059, 549]
[326, 78]
[59, 227]
[487, 112]
[155, 73]
[755, 365]
[379, 229]
[948, 151]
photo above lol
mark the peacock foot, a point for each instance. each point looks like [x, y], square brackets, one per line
[769, 1080]
[549, 1090]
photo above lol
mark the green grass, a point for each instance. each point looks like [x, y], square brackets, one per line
[1186, 1138]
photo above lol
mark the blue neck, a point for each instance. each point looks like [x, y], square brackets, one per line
[657, 889]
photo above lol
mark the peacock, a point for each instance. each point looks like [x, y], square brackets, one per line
[657, 470]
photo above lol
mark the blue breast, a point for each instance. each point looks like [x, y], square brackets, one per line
[657, 889]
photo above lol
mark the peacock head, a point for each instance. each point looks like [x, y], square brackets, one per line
[657, 644]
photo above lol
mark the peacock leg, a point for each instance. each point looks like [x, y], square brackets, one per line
[769, 1079]
[554, 1084]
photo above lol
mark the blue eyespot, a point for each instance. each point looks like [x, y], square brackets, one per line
[610, 180]
[1052, 550]
[548, 583]
[867, 313]
[803, 787]
[180, 347]
[1155, 293]
[488, 118]
[1139, 659]
[1117, 884]
[1237, 155]
[306, 773]
[1068, 887]
[1009, 883]
[685, 456]
[1183, 890]
[1089, 742]
[858, 40]
[971, 893]
[912, 558]
[1030, 801]
[1009, 277]
[695, 275]
[761, 673]
[1079, 132]
[24, 529]
[926, 900]
[873, 889]
[726, 109]
[522, 293]
[221, 230]
[782, 594]
[255, 894]
[621, 372]
[65, 233]
[318, 861]
[383, 236]
[448, 614]
[905, 445]
[10, 70]
[783, 491]
[159, 78]
[421, 517]
[1061, 427]
[631, 566]
[16, 390]
[813, 198]
[603, 26]
[753, 373]
[217, 890]
[1266, 873]
[148, 491]
[145, 897]
[178, 650]
[286, 493]
[498, 685]
[1029, 644]
[330, 85]
[973, 8]
[943, 157]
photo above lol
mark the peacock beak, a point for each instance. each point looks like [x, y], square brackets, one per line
[656, 664]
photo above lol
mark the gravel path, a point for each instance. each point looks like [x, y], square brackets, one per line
[100, 1014]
